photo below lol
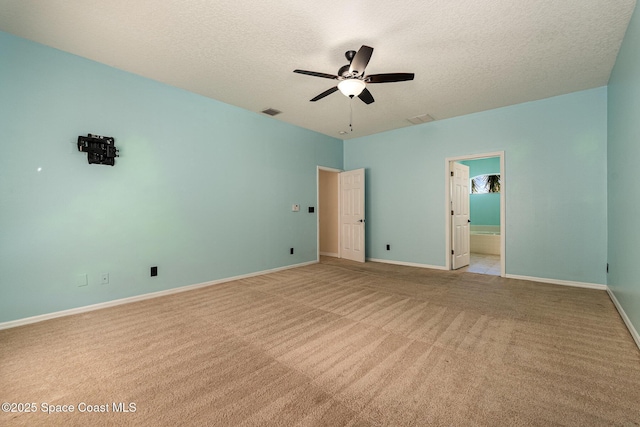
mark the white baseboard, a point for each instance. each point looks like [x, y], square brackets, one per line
[625, 318]
[559, 282]
[92, 307]
[407, 264]
[331, 254]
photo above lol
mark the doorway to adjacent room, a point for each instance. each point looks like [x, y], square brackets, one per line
[475, 216]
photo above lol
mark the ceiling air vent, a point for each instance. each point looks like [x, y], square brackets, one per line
[425, 118]
[271, 111]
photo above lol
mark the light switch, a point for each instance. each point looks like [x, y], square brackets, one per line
[295, 208]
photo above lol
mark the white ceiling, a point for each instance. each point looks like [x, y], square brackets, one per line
[468, 55]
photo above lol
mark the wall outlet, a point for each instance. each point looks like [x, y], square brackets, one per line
[104, 279]
[388, 247]
[154, 271]
[291, 251]
[82, 280]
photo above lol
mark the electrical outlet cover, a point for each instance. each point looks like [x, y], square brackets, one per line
[82, 280]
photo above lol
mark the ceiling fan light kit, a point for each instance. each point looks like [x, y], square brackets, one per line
[351, 87]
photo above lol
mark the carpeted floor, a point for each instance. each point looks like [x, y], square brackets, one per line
[334, 344]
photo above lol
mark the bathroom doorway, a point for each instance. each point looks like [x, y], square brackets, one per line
[486, 212]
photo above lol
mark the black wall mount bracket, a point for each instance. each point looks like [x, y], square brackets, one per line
[100, 149]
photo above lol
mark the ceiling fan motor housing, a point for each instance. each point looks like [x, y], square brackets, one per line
[344, 71]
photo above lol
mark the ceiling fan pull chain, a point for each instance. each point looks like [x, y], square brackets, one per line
[351, 114]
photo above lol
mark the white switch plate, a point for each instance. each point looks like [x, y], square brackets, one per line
[295, 208]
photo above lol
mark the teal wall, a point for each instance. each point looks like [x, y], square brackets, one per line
[202, 189]
[555, 185]
[484, 209]
[623, 156]
[486, 166]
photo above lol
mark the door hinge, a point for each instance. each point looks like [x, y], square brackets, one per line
[451, 251]
[451, 173]
[451, 212]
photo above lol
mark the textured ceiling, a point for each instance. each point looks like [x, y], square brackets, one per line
[468, 55]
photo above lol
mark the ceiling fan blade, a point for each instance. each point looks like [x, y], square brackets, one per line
[389, 77]
[360, 61]
[366, 96]
[316, 74]
[325, 93]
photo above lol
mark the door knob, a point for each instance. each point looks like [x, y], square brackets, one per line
[361, 220]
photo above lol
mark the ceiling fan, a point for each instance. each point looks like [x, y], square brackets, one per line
[351, 78]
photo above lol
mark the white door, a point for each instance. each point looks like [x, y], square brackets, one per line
[352, 215]
[460, 215]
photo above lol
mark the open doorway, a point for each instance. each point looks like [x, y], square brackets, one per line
[328, 212]
[485, 241]
[341, 213]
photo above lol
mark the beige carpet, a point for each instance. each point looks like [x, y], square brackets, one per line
[335, 344]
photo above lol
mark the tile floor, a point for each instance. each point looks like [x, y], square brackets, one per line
[483, 264]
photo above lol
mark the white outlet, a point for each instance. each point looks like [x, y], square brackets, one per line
[81, 280]
[105, 279]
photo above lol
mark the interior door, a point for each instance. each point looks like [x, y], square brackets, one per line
[352, 215]
[460, 242]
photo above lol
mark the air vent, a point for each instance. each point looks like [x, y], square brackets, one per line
[271, 111]
[425, 118]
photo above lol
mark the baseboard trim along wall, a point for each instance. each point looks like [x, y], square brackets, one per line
[625, 318]
[87, 308]
[559, 282]
[407, 264]
[331, 254]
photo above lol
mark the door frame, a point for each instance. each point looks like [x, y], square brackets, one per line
[338, 171]
[447, 205]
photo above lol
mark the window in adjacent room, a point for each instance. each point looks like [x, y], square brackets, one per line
[483, 184]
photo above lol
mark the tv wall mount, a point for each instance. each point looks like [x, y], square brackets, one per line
[100, 150]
